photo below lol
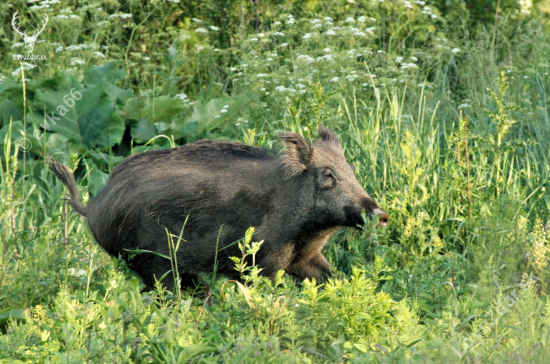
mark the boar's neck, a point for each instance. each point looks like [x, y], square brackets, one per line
[304, 226]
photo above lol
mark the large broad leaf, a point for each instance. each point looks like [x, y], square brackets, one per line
[105, 77]
[108, 73]
[207, 117]
[91, 122]
[96, 178]
[143, 131]
[161, 108]
[9, 84]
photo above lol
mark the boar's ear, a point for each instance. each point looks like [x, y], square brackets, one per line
[328, 135]
[298, 154]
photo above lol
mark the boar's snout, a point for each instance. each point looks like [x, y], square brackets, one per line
[353, 213]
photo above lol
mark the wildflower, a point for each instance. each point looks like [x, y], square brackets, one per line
[314, 21]
[350, 20]
[261, 35]
[38, 7]
[260, 75]
[414, 59]
[370, 30]
[182, 97]
[254, 39]
[455, 50]
[213, 27]
[99, 54]
[373, 19]
[334, 79]
[195, 20]
[328, 18]
[324, 50]
[317, 26]
[307, 36]
[75, 61]
[362, 19]
[277, 23]
[290, 21]
[408, 4]
[201, 30]
[59, 49]
[359, 34]
[399, 60]
[331, 32]
[433, 16]
[278, 34]
[463, 106]
[284, 45]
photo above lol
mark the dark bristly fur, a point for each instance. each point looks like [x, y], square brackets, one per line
[295, 200]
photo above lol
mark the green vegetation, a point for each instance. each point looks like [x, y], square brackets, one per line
[445, 119]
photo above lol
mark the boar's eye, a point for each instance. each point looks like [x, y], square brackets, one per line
[328, 174]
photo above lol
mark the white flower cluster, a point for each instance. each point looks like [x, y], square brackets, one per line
[26, 66]
[352, 76]
[122, 16]
[428, 11]
[63, 16]
[77, 273]
[405, 66]
[283, 89]
[77, 61]
[305, 58]
[182, 97]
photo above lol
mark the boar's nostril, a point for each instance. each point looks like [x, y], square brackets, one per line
[383, 220]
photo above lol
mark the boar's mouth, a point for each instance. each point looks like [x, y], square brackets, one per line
[355, 220]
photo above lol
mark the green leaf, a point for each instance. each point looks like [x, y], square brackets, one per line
[8, 314]
[143, 131]
[91, 122]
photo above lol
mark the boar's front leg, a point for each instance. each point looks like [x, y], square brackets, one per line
[316, 267]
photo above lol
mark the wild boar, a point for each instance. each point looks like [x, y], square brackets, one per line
[296, 200]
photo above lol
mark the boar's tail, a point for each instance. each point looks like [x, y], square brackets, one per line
[64, 174]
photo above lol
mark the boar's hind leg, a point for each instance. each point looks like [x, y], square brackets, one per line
[315, 267]
[156, 267]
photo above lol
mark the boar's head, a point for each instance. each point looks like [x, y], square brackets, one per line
[336, 195]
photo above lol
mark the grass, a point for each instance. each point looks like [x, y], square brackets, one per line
[447, 129]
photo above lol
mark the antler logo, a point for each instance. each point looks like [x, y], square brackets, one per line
[29, 40]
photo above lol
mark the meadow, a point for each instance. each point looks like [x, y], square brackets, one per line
[443, 112]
